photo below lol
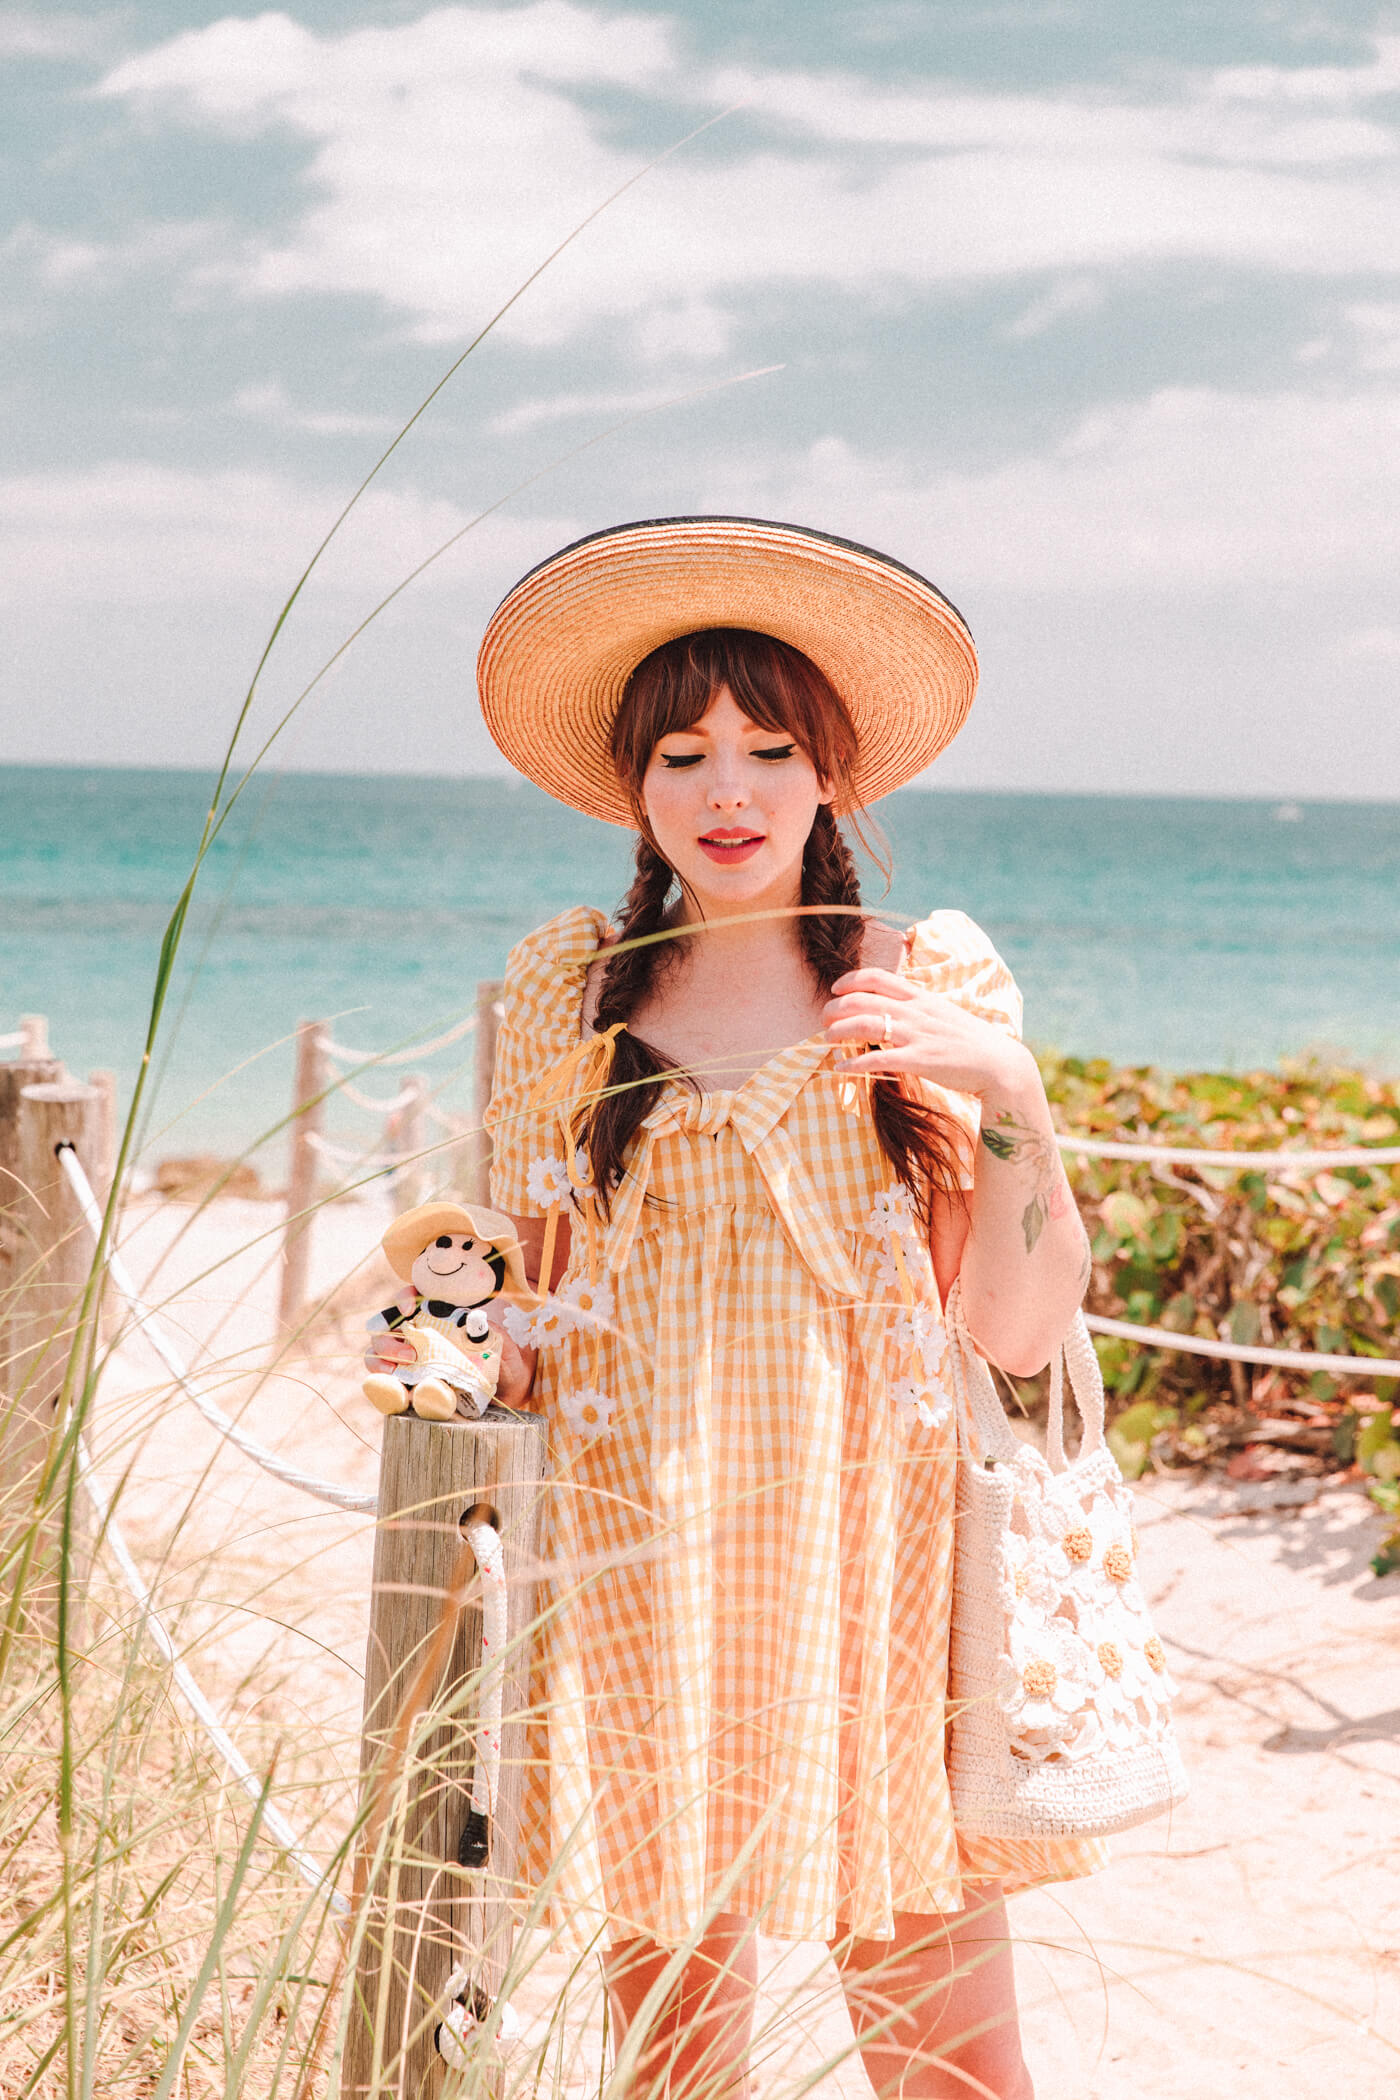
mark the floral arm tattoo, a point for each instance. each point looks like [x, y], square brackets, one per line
[1021, 1144]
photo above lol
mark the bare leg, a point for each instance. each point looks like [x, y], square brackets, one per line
[945, 1987]
[698, 2048]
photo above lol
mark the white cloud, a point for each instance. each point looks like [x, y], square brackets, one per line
[129, 533]
[1373, 645]
[27, 33]
[1194, 492]
[267, 401]
[1377, 325]
[561, 408]
[450, 154]
[1071, 295]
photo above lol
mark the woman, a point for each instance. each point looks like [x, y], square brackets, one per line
[739, 1136]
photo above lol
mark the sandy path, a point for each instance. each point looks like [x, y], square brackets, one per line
[1251, 1947]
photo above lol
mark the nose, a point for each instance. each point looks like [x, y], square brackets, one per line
[728, 789]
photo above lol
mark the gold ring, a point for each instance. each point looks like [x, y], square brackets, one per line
[887, 1031]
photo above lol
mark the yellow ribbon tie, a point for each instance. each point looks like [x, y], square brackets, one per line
[583, 1071]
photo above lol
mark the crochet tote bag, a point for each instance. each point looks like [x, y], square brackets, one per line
[1058, 1687]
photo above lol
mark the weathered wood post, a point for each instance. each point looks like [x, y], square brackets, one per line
[104, 1166]
[49, 1255]
[308, 1091]
[34, 1038]
[477, 1179]
[425, 1914]
[410, 1135]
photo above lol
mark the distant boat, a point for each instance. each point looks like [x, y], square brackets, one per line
[1288, 812]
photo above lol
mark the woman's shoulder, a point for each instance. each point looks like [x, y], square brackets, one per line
[568, 941]
[545, 969]
[950, 953]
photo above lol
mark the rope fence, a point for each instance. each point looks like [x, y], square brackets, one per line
[144, 1318]
[403, 1145]
[1233, 1162]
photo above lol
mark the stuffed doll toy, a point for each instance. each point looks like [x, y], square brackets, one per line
[454, 1260]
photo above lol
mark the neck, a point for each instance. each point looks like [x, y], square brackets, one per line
[757, 932]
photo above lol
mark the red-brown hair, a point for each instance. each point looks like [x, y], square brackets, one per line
[782, 690]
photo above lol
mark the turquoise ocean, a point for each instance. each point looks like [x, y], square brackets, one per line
[1179, 933]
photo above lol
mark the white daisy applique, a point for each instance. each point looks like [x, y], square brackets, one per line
[892, 1221]
[580, 1305]
[915, 1401]
[547, 1182]
[587, 1411]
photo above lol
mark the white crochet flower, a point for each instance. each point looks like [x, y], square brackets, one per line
[1090, 1549]
[1030, 1573]
[577, 1306]
[1043, 1685]
[587, 1411]
[916, 1401]
[892, 1221]
[921, 1332]
[519, 1324]
[547, 1182]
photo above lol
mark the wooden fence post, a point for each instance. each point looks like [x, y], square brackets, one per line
[425, 1914]
[488, 1026]
[410, 1135]
[34, 1028]
[50, 1253]
[303, 1171]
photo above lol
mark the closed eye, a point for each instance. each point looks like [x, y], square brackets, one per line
[675, 761]
[777, 751]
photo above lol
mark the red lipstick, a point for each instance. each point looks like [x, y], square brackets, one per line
[729, 847]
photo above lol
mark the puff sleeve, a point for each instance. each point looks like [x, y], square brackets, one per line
[541, 1003]
[949, 953]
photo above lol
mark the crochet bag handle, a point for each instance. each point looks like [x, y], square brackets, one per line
[984, 1414]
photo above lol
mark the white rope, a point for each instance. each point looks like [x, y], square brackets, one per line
[455, 1126]
[397, 1057]
[1235, 1162]
[465, 2007]
[347, 1156]
[389, 1106]
[292, 1476]
[1240, 1353]
[274, 1822]
[485, 1542]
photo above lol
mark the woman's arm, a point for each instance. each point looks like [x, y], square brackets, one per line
[518, 1365]
[1024, 1261]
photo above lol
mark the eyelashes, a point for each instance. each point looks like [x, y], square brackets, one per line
[680, 761]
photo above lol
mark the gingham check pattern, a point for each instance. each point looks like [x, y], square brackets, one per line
[739, 1692]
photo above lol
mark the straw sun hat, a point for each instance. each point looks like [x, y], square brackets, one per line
[560, 647]
[418, 1228]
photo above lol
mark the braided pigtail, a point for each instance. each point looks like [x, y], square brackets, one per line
[637, 1069]
[916, 1139]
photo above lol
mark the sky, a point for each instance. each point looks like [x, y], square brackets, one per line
[1089, 313]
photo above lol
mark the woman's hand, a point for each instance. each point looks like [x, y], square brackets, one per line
[387, 1351]
[1024, 1259]
[904, 1029]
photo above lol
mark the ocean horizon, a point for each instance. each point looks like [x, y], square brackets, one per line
[1182, 932]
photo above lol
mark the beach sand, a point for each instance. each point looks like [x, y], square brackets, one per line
[1249, 1945]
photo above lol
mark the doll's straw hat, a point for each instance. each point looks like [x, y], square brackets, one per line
[418, 1228]
[560, 646]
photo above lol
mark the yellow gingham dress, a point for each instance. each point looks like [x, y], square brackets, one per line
[739, 1689]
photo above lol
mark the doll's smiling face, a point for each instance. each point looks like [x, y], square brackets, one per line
[455, 1270]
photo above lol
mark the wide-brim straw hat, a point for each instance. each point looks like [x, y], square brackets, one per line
[418, 1228]
[560, 646]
